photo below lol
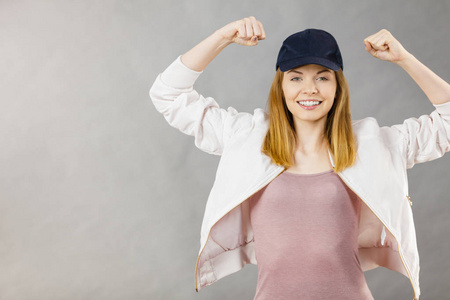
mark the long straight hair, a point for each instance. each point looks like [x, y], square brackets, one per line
[280, 142]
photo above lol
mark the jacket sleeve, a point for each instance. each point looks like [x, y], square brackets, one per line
[427, 137]
[173, 95]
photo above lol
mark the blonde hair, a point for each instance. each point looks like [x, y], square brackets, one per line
[281, 140]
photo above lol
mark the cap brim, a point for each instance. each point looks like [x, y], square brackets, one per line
[297, 62]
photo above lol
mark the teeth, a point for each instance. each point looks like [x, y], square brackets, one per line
[309, 103]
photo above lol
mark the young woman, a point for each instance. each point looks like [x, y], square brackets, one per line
[310, 196]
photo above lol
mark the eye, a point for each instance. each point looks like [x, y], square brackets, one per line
[322, 78]
[296, 79]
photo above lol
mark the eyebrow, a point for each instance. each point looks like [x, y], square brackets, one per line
[298, 72]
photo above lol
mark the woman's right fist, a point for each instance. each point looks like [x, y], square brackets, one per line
[247, 32]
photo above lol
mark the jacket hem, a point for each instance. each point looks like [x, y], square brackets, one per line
[229, 261]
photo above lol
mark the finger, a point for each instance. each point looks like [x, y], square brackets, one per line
[380, 40]
[376, 35]
[378, 45]
[240, 28]
[255, 26]
[371, 39]
[368, 46]
[370, 49]
[248, 28]
[263, 32]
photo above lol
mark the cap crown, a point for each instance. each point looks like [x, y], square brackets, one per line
[310, 46]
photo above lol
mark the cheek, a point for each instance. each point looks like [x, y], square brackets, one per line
[288, 99]
[291, 107]
[329, 92]
[288, 93]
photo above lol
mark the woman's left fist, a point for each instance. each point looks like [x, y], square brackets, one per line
[384, 46]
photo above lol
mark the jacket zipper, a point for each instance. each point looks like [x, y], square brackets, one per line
[398, 245]
[272, 177]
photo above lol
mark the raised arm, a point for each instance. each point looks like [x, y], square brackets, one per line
[245, 32]
[427, 137]
[174, 96]
[384, 46]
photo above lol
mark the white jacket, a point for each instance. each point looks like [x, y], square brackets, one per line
[386, 233]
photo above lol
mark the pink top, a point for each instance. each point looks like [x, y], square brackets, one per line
[306, 230]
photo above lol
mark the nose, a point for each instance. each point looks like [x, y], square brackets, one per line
[309, 87]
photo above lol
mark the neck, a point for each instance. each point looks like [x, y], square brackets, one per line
[310, 136]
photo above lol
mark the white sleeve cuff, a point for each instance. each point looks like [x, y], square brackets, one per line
[443, 108]
[178, 76]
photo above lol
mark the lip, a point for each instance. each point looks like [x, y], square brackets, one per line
[309, 107]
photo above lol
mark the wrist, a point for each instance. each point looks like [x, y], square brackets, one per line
[407, 59]
[221, 38]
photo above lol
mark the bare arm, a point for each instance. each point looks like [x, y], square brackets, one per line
[385, 47]
[245, 32]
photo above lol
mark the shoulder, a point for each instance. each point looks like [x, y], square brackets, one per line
[368, 130]
[243, 120]
[367, 126]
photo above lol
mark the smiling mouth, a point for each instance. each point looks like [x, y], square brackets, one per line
[309, 102]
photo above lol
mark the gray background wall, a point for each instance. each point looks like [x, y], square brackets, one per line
[101, 199]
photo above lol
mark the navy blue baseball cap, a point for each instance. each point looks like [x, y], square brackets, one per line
[310, 46]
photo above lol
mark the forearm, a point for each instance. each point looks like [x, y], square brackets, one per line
[245, 32]
[202, 54]
[436, 89]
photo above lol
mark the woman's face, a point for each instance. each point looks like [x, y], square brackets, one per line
[309, 91]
